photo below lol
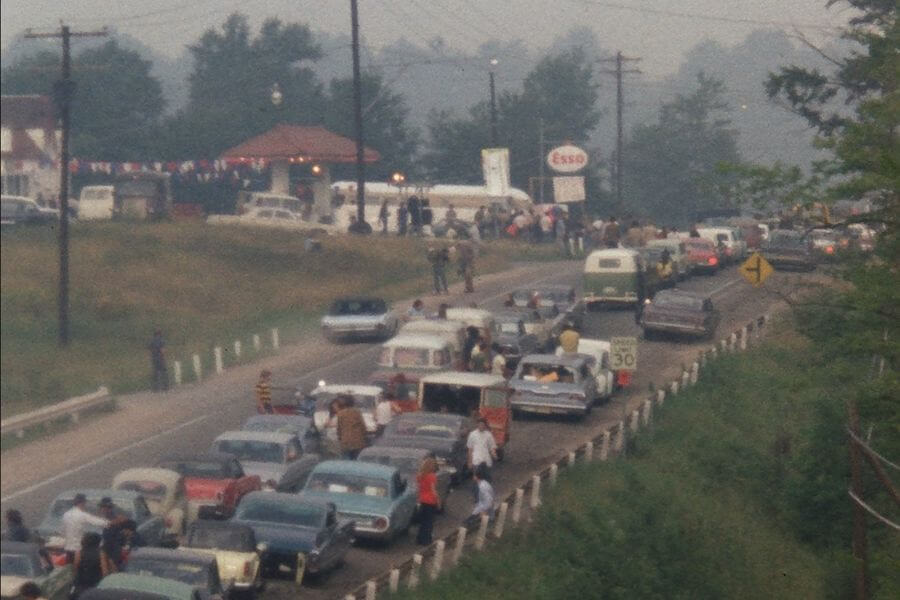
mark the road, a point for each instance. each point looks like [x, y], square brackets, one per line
[217, 407]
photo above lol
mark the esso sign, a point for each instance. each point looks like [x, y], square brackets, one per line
[567, 159]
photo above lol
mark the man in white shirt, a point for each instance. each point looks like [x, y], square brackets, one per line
[384, 412]
[498, 363]
[74, 523]
[482, 446]
[484, 503]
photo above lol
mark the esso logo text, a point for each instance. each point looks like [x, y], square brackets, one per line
[567, 159]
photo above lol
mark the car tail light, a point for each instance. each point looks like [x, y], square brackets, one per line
[380, 523]
[169, 522]
[712, 261]
[248, 569]
[829, 249]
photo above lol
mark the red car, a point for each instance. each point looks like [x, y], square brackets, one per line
[214, 483]
[703, 257]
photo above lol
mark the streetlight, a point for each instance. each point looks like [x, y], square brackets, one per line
[275, 94]
[494, 63]
[397, 178]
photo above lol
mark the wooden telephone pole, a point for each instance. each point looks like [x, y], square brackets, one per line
[63, 92]
[619, 72]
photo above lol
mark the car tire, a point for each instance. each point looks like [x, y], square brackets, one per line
[648, 334]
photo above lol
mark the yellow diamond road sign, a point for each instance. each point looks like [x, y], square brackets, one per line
[756, 269]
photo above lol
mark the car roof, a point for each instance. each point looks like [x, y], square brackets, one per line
[508, 316]
[395, 451]
[277, 437]
[566, 360]
[348, 388]
[468, 379]
[665, 243]
[449, 419]
[213, 524]
[167, 476]
[285, 498]
[352, 467]
[465, 314]
[431, 342]
[180, 555]
[126, 495]
[613, 252]
[209, 456]
[147, 583]
[424, 325]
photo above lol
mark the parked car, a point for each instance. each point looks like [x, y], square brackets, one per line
[235, 548]
[599, 350]
[359, 318]
[277, 458]
[514, 339]
[787, 249]
[131, 504]
[479, 318]
[678, 311]
[452, 331]
[96, 203]
[825, 244]
[550, 384]
[677, 253]
[200, 571]
[163, 489]
[296, 533]
[543, 324]
[730, 238]
[702, 255]
[654, 280]
[19, 210]
[250, 201]
[214, 482]
[377, 499]
[613, 275]
[127, 584]
[561, 296]
[443, 434]
[404, 359]
[274, 218]
[301, 426]
[408, 461]
[24, 562]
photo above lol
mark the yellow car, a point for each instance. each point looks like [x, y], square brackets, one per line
[236, 552]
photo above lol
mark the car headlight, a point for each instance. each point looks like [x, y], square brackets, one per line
[381, 523]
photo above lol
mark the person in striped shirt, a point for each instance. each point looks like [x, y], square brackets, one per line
[264, 392]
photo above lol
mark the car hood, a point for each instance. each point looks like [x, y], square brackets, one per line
[230, 563]
[354, 503]
[439, 446]
[10, 584]
[549, 389]
[204, 489]
[283, 537]
[347, 320]
[265, 471]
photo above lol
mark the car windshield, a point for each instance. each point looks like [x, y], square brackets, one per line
[547, 373]
[419, 428]
[555, 296]
[152, 490]
[405, 464]
[609, 263]
[235, 539]
[509, 327]
[786, 239]
[341, 483]
[16, 565]
[405, 357]
[696, 244]
[363, 402]
[252, 450]
[344, 308]
[186, 572]
[198, 469]
[678, 301]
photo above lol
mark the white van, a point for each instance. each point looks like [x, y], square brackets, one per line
[735, 246]
[96, 203]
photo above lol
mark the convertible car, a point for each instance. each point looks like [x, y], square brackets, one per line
[376, 497]
[234, 546]
[296, 533]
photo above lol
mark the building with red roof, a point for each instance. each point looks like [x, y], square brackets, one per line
[29, 146]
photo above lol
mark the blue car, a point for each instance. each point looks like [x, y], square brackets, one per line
[294, 533]
[376, 497]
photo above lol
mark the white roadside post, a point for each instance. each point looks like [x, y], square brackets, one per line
[647, 413]
[275, 342]
[198, 369]
[350, 597]
[414, 571]
[438, 561]
[176, 366]
[394, 581]
[674, 388]
[695, 372]
[257, 344]
[535, 491]
[482, 532]
[685, 379]
[237, 348]
[635, 421]
[217, 356]
[732, 342]
[501, 519]
[571, 459]
[724, 345]
[702, 358]
[517, 506]
[660, 397]
[713, 353]
[744, 337]
[604, 446]
[589, 451]
[371, 589]
[620, 438]
[554, 471]
[460, 544]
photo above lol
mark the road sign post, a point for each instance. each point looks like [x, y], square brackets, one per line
[756, 269]
[623, 353]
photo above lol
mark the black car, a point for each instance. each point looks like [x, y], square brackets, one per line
[193, 568]
[513, 339]
[787, 249]
[441, 433]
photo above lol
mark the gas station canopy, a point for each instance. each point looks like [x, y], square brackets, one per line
[299, 143]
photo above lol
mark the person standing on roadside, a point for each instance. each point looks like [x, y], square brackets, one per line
[15, 527]
[383, 217]
[402, 218]
[466, 254]
[611, 233]
[159, 381]
[90, 563]
[439, 257]
[351, 428]
[481, 447]
[264, 392]
[74, 522]
[429, 501]
[484, 502]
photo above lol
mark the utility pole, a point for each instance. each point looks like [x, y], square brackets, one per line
[619, 72]
[494, 142]
[541, 158]
[357, 117]
[63, 92]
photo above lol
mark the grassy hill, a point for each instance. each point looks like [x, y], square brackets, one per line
[202, 285]
[737, 492]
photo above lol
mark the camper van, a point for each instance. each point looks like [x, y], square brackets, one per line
[613, 275]
[96, 203]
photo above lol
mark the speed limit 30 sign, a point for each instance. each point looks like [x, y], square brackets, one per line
[623, 353]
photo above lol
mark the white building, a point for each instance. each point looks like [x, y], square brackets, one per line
[29, 147]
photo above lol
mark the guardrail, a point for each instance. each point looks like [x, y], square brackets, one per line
[609, 443]
[71, 408]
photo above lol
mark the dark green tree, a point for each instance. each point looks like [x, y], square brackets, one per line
[117, 105]
[672, 164]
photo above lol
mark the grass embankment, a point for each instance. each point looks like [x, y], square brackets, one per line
[738, 491]
[201, 285]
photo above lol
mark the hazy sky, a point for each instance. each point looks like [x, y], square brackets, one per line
[659, 31]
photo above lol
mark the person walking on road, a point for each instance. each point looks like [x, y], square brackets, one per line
[264, 392]
[383, 217]
[384, 413]
[74, 522]
[481, 447]
[484, 503]
[439, 257]
[351, 428]
[429, 501]
[159, 381]
[466, 257]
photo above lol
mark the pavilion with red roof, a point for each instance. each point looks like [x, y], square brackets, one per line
[315, 146]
